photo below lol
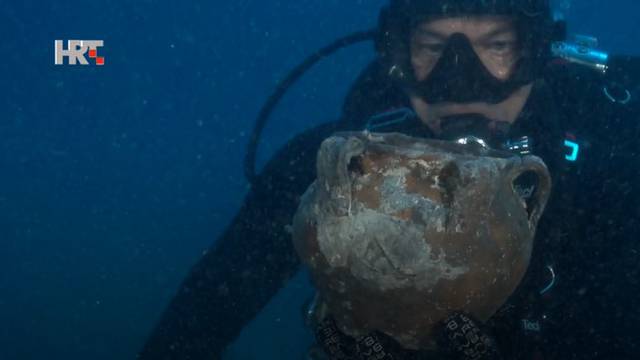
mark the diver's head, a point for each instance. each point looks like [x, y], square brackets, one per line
[465, 57]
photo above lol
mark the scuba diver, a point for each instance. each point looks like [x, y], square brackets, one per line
[502, 72]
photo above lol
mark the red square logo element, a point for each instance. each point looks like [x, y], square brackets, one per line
[93, 53]
[100, 61]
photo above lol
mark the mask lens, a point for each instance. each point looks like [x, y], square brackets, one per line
[498, 57]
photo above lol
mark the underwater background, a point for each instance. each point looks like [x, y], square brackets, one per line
[115, 179]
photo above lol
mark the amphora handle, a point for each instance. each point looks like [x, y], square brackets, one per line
[543, 187]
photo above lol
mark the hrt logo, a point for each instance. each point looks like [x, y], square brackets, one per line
[75, 52]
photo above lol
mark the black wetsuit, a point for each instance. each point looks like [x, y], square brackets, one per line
[588, 236]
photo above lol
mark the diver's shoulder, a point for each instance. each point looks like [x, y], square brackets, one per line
[575, 81]
[598, 112]
[616, 84]
[624, 69]
[598, 100]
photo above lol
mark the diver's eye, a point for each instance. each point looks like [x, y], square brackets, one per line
[430, 48]
[501, 46]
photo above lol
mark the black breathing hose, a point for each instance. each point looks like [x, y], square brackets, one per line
[285, 84]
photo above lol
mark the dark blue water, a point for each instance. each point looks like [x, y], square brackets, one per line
[114, 179]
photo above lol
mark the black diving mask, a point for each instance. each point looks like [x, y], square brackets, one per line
[460, 76]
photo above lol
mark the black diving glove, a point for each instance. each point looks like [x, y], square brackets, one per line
[338, 346]
[461, 336]
[464, 338]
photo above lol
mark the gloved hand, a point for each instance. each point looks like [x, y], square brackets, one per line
[460, 335]
[339, 346]
[464, 337]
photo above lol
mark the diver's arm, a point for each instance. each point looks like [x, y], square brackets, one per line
[252, 260]
[617, 226]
